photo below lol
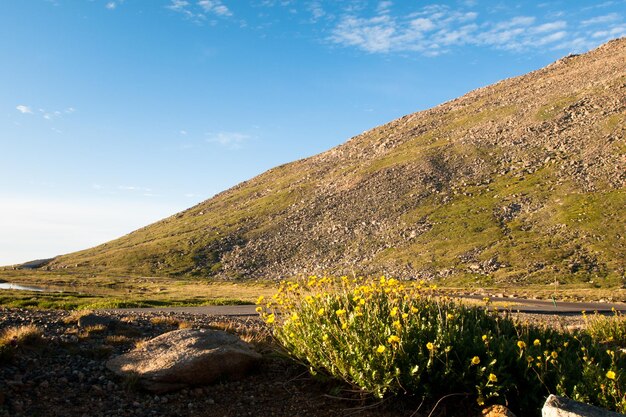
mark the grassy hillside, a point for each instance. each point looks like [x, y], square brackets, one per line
[519, 182]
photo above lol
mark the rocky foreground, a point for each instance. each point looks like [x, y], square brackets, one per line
[66, 375]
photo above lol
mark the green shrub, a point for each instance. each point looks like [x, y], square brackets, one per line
[385, 337]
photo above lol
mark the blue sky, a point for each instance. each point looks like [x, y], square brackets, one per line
[114, 114]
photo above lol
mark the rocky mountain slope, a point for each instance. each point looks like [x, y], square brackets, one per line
[521, 181]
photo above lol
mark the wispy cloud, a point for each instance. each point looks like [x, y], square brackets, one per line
[229, 140]
[200, 10]
[215, 7]
[133, 188]
[113, 4]
[436, 29]
[24, 109]
[317, 11]
[607, 18]
[47, 115]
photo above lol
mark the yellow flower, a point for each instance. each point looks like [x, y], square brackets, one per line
[362, 301]
[260, 300]
[320, 312]
[610, 375]
[325, 337]
[493, 378]
[344, 326]
[394, 312]
[430, 346]
[414, 310]
[554, 355]
[475, 360]
[380, 349]
[397, 325]
[259, 309]
[484, 338]
[521, 344]
[405, 315]
[450, 316]
[537, 342]
[270, 319]
[340, 312]
[393, 339]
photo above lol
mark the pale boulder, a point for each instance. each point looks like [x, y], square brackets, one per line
[184, 358]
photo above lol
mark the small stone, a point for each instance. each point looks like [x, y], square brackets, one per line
[497, 411]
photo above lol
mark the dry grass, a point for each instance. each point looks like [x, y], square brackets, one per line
[92, 330]
[129, 319]
[21, 335]
[117, 340]
[164, 321]
[140, 344]
[75, 315]
[185, 325]
[226, 326]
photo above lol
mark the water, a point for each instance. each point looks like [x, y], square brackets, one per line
[11, 286]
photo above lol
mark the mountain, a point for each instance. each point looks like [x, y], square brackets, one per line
[519, 182]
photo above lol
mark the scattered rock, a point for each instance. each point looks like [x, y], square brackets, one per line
[497, 411]
[89, 320]
[186, 357]
[564, 407]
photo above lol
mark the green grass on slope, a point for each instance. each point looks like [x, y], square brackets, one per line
[555, 235]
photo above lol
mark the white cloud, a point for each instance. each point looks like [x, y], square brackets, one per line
[317, 11]
[373, 35]
[436, 29]
[384, 6]
[133, 188]
[48, 115]
[199, 10]
[24, 109]
[550, 27]
[111, 5]
[178, 5]
[230, 140]
[215, 7]
[608, 18]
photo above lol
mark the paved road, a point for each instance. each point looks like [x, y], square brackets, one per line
[516, 304]
[524, 305]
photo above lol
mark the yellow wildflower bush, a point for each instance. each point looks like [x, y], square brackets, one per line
[385, 336]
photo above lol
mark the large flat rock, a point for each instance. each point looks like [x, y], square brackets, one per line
[184, 358]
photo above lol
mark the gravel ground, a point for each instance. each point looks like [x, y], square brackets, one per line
[66, 375]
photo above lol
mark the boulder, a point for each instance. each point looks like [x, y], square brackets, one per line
[564, 407]
[187, 357]
[89, 320]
